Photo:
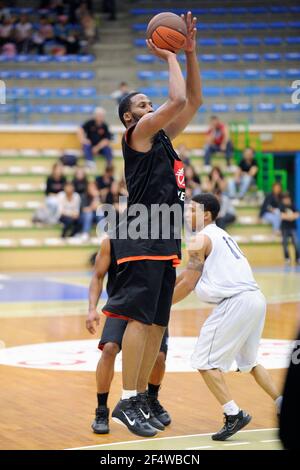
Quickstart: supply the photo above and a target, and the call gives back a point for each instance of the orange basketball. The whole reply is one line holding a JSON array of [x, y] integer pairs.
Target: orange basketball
[[167, 31]]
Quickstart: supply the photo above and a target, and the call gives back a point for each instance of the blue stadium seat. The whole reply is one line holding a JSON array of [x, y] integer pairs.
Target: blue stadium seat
[[266, 107], [7, 108], [205, 42], [272, 73], [243, 108], [219, 26], [20, 92], [23, 108], [45, 75], [66, 75], [259, 25], [232, 91], [230, 42], [273, 41], [293, 40], [279, 9], [272, 56], [252, 91], [251, 57], [86, 75], [5, 58], [42, 59], [209, 58], [239, 10], [231, 75], [64, 92], [257, 10], [86, 92], [210, 75], [288, 90], [145, 75], [238, 26], [85, 59], [145, 58], [277, 25], [151, 92], [218, 11], [24, 75], [203, 109], [230, 57], [294, 24], [203, 26], [42, 92], [140, 42], [272, 90], [22, 58], [212, 91], [290, 107], [251, 74], [6, 74], [139, 26], [66, 109], [220, 108], [85, 109], [292, 73], [295, 9], [64, 59], [251, 41], [292, 56]]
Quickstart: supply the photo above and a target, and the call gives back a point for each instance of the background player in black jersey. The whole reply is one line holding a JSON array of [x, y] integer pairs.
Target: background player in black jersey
[[154, 176], [110, 345]]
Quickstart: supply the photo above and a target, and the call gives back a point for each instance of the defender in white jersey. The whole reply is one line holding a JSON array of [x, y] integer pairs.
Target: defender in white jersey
[[220, 274]]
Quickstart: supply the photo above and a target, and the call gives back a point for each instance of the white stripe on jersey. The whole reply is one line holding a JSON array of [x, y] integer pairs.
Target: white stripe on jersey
[[226, 270]]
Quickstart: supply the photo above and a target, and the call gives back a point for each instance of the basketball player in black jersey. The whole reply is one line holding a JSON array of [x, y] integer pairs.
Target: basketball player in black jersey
[[142, 293], [110, 345]]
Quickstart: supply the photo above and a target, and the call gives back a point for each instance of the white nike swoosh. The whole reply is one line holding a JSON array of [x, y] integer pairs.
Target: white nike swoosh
[[132, 423], [146, 416]]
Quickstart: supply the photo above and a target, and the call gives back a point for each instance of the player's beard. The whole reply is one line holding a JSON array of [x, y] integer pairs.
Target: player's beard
[[136, 117]]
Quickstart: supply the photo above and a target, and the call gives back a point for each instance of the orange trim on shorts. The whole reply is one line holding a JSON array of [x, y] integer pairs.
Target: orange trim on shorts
[[154, 257], [116, 315]]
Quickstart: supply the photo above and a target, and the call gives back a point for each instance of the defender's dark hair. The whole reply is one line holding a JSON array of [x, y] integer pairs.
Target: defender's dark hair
[[210, 203], [124, 105]]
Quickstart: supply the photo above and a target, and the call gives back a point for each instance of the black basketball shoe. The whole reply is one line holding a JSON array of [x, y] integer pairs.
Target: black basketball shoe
[[232, 424], [158, 410], [129, 414], [100, 424], [148, 413]]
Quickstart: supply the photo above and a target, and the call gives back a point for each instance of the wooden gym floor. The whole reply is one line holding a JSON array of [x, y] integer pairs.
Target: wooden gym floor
[[47, 391]]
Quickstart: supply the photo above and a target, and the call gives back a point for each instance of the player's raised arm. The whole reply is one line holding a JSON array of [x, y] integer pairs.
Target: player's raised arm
[[193, 82], [102, 264], [152, 122]]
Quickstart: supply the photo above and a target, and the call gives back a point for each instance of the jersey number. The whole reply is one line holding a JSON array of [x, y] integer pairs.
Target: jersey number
[[233, 247]]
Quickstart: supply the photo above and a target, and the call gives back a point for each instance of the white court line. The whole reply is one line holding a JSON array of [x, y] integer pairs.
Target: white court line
[[163, 439], [271, 440], [236, 444]]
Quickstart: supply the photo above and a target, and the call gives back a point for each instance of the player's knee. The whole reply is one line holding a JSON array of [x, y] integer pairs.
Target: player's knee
[[161, 359], [110, 351]]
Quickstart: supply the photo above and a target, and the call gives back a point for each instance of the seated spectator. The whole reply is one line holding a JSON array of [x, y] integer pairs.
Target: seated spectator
[[69, 210], [95, 137], [54, 185], [88, 24], [289, 215], [121, 92], [184, 154], [105, 181], [89, 204], [4, 12], [226, 215], [44, 34], [245, 175], [23, 31], [217, 141], [216, 181], [6, 31], [192, 180], [80, 181], [270, 211]]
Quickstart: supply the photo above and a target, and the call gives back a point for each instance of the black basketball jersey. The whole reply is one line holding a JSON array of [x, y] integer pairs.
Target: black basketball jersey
[[153, 178]]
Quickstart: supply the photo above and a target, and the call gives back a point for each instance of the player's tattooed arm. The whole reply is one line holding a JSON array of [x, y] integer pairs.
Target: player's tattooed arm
[[196, 261]]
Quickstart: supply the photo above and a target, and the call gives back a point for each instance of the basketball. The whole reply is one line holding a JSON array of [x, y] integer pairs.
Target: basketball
[[167, 31]]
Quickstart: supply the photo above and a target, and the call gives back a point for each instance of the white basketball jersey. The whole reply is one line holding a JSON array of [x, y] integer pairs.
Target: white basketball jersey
[[226, 270]]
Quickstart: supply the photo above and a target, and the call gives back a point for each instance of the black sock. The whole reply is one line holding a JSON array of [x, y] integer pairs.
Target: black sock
[[102, 399], [153, 390]]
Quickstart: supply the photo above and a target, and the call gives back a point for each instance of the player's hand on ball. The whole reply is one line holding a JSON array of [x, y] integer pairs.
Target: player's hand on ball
[[190, 21], [93, 318], [161, 53]]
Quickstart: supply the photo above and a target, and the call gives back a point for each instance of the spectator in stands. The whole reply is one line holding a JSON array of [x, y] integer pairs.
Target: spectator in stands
[[80, 181], [245, 175], [95, 137], [88, 23], [54, 185], [105, 181], [6, 31], [43, 35], [23, 32], [121, 92], [4, 12], [217, 140], [89, 203], [69, 210], [192, 180], [289, 215], [270, 209], [216, 181], [184, 154], [227, 214]]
